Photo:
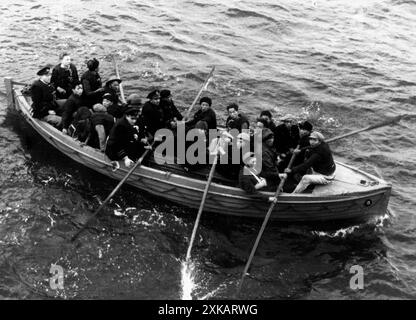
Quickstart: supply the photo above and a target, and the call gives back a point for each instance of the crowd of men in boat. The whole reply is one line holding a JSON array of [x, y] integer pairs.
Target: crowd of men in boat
[[93, 113]]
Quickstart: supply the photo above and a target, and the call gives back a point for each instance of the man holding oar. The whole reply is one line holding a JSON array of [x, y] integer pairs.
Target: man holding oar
[[127, 140], [319, 159]]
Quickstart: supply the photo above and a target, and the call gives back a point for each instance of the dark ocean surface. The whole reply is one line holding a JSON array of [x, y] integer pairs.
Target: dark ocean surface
[[354, 58]]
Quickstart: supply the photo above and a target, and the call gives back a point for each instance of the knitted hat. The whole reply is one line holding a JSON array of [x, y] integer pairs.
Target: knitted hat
[[165, 93], [207, 100], [305, 125]]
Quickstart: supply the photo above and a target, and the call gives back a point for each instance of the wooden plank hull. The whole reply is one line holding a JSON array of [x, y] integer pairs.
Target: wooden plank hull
[[323, 205]]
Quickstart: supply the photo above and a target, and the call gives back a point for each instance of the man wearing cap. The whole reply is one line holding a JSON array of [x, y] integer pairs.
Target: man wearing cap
[[171, 114], [319, 160], [286, 135], [64, 77], [115, 109], [126, 140], [44, 104], [249, 180], [205, 113], [152, 113], [91, 83], [112, 87]]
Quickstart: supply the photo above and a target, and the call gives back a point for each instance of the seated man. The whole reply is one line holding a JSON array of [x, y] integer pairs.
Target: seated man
[[206, 113], [80, 127], [126, 140], [267, 116], [269, 156], [287, 135], [44, 105], [249, 180], [152, 113], [286, 139], [319, 160], [101, 124], [305, 129], [111, 90], [72, 104], [236, 120], [171, 114]]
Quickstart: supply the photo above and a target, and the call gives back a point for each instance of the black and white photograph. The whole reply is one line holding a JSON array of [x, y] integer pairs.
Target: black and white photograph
[[220, 152]]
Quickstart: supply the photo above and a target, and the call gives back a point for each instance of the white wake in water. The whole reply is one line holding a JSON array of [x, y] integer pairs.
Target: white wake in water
[[187, 280]]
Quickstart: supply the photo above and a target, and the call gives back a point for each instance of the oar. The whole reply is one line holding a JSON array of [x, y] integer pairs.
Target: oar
[[200, 92], [201, 206], [123, 99], [263, 227], [136, 165], [374, 126]]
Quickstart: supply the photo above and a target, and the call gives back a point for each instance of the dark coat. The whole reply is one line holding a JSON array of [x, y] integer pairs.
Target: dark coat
[[303, 143], [64, 78], [124, 140], [91, 81], [72, 104], [269, 169], [285, 138], [237, 123], [116, 110], [153, 117], [43, 99], [247, 183], [208, 116], [100, 118], [115, 99], [169, 111], [319, 159]]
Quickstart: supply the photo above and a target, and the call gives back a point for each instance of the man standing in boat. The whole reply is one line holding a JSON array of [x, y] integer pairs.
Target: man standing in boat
[[127, 140], [44, 105], [319, 160]]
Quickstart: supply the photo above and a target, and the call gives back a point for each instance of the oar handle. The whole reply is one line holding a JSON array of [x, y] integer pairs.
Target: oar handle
[[123, 99], [263, 226], [374, 126], [200, 92], [137, 164]]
